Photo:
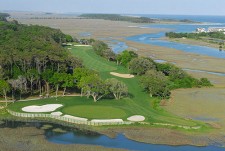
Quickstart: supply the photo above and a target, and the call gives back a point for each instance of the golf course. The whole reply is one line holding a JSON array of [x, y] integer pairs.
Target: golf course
[[137, 102]]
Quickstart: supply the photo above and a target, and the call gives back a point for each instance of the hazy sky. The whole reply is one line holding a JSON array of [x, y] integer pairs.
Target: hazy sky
[[189, 7]]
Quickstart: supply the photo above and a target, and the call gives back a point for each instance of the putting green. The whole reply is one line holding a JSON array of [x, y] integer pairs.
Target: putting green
[[95, 112]]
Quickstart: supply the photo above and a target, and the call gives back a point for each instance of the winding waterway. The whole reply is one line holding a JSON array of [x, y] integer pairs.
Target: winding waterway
[[155, 39]]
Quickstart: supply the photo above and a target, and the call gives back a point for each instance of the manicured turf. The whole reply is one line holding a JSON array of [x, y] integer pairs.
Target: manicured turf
[[138, 102], [91, 112], [92, 60]]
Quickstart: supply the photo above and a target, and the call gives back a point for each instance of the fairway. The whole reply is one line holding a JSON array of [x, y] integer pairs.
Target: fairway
[[91, 112], [92, 60]]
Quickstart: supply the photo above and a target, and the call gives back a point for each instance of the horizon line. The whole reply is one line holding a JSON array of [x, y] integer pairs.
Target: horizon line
[[55, 12]]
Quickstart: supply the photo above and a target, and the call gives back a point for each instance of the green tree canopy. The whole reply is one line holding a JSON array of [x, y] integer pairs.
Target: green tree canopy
[[155, 83], [117, 88], [4, 89], [94, 86], [125, 57], [139, 66]]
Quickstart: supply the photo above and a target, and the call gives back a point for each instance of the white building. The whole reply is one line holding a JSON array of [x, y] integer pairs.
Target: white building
[[200, 30], [216, 29]]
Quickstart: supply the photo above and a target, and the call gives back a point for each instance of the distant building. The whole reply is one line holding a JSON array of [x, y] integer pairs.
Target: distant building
[[216, 29], [211, 29], [200, 30]]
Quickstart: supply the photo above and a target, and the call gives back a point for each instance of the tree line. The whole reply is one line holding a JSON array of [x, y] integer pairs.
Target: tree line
[[216, 35], [3, 16], [117, 17]]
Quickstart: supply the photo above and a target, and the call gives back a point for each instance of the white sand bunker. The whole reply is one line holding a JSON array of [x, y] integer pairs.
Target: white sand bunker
[[43, 108], [82, 45], [122, 75], [107, 120], [57, 113], [75, 118], [136, 118]]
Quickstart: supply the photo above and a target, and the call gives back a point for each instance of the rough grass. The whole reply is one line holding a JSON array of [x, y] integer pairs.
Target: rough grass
[[91, 112]]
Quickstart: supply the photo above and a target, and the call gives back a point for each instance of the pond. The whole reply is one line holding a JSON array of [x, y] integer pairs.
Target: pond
[[75, 136]]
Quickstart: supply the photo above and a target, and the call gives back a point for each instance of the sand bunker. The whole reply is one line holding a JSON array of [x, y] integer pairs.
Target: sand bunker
[[136, 118], [122, 75], [57, 113], [82, 45], [43, 108], [75, 118], [106, 120]]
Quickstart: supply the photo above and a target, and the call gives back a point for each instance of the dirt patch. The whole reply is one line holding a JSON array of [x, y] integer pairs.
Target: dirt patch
[[127, 76]]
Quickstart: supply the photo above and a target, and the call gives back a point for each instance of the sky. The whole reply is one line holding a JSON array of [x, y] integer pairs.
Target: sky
[[177, 7]]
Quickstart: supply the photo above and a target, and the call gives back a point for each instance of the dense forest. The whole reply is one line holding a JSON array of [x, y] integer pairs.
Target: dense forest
[[30, 56]]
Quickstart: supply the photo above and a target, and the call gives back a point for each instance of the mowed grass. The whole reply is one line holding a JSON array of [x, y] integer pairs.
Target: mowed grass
[[92, 60], [91, 112], [137, 103], [83, 107]]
